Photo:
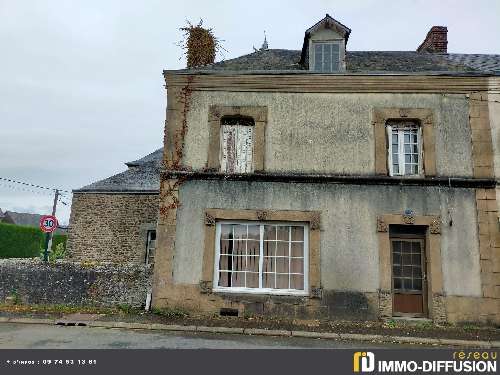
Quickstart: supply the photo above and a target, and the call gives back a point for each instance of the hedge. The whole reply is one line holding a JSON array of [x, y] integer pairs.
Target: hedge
[[24, 242]]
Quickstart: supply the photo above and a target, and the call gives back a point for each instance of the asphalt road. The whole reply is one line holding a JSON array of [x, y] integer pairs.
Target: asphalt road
[[40, 336]]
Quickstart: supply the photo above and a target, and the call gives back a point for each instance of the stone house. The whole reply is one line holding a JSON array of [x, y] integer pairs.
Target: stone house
[[317, 183]]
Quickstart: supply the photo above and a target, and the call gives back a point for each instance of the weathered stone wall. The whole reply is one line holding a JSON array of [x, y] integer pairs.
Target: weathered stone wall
[[111, 227], [36, 282]]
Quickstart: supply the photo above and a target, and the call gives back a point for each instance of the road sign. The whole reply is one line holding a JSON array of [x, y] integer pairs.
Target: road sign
[[48, 223]]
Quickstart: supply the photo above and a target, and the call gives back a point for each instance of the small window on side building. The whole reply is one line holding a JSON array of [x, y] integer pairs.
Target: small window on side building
[[237, 134], [150, 247], [405, 148], [326, 57]]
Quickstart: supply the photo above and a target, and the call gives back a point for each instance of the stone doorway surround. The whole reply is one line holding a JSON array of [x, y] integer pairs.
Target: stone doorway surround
[[435, 299]]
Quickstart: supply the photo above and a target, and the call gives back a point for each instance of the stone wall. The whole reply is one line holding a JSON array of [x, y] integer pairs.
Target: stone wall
[[111, 227], [36, 282]]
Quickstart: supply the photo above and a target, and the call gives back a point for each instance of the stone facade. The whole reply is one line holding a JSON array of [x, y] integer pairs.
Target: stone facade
[[111, 227], [327, 134], [67, 283]]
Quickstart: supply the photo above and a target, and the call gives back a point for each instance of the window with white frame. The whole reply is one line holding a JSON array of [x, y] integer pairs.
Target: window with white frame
[[237, 135], [150, 247], [326, 56], [405, 148], [261, 257]]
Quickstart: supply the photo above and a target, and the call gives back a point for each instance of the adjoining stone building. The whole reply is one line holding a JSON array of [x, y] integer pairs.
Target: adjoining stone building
[[319, 183], [114, 220]]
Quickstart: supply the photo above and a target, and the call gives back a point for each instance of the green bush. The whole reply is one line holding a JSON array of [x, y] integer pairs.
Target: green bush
[[25, 242]]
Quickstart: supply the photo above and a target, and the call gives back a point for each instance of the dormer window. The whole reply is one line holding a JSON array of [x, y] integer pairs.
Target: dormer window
[[324, 46], [326, 56]]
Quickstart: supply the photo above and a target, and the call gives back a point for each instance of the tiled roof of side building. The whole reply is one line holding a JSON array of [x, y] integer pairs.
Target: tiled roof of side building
[[142, 175], [376, 62]]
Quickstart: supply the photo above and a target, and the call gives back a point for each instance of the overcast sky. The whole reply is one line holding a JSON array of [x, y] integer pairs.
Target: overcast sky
[[81, 82]]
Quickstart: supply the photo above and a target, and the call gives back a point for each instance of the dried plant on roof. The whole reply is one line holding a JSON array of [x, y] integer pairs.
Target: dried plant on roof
[[199, 44]]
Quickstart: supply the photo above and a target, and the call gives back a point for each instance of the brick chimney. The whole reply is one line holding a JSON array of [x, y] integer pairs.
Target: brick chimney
[[436, 40]]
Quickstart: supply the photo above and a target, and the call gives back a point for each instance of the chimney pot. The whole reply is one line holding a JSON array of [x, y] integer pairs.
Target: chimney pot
[[436, 40]]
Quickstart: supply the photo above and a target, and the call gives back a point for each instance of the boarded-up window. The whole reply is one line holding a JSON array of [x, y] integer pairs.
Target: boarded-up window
[[237, 145]]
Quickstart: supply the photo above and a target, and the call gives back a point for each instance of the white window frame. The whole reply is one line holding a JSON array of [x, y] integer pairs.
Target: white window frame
[[260, 290], [322, 43], [401, 153]]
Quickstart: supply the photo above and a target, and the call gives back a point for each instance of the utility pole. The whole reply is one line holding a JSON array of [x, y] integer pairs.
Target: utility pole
[[48, 236]]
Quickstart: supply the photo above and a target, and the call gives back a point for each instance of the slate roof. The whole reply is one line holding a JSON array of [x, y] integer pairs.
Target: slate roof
[[373, 62], [142, 175]]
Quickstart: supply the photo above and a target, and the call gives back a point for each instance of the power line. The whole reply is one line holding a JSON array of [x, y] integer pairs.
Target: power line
[[33, 185]]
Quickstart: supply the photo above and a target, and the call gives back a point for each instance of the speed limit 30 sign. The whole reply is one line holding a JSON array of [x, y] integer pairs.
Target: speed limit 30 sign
[[48, 223]]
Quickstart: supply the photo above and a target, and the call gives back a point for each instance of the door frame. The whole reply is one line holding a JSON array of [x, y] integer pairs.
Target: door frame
[[423, 265], [434, 271]]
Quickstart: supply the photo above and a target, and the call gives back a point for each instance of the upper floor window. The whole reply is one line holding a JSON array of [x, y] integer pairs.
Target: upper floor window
[[237, 135], [405, 148], [261, 257], [326, 56]]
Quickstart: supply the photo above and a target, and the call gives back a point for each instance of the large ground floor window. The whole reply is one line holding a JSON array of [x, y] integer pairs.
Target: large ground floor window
[[261, 257]]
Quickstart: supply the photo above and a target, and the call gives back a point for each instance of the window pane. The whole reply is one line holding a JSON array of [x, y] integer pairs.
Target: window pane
[[225, 263], [254, 232], [335, 57], [252, 280], [282, 249], [297, 249], [417, 284], [297, 233], [268, 280], [226, 246], [406, 271], [224, 278], [318, 57], [407, 284], [396, 271], [283, 233], [282, 281], [253, 264], [297, 265], [269, 232], [238, 279], [268, 264], [397, 283], [269, 248], [396, 258], [297, 282], [415, 259], [327, 57], [406, 259], [226, 231], [253, 247], [282, 265]]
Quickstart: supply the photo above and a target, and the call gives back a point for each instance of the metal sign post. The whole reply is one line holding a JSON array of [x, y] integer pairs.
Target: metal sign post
[[48, 224]]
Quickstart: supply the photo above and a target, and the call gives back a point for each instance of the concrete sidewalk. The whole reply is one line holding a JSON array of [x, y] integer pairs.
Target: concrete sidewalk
[[261, 332]]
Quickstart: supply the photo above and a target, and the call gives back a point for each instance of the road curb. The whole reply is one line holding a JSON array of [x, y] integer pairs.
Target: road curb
[[268, 332]]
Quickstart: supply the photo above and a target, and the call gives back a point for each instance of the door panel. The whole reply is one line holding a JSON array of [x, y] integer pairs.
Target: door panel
[[408, 276]]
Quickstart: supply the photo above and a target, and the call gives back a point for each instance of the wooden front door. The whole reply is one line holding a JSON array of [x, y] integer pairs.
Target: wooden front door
[[408, 277]]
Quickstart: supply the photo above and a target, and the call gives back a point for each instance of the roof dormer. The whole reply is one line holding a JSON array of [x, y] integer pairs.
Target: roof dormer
[[324, 46]]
